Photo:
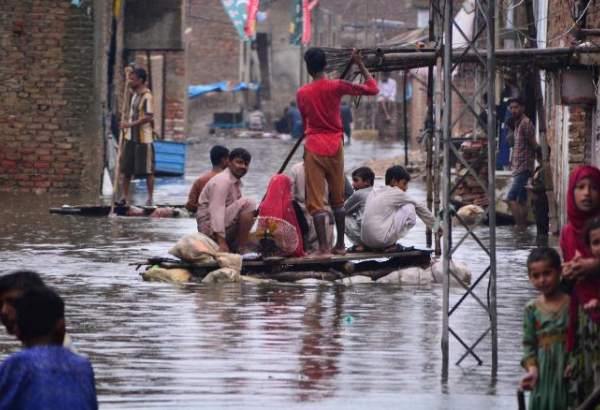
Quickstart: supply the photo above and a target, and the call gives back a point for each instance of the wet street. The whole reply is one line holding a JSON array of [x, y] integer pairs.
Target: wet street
[[159, 345]]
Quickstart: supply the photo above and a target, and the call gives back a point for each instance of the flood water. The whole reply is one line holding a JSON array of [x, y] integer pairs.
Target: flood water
[[159, 345]]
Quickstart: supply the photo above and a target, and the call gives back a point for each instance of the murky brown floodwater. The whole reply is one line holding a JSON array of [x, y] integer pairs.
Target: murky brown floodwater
[[155, 345]]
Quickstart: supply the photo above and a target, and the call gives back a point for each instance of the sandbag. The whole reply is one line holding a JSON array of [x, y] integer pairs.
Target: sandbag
[[471, 214], [195, 248], [407, 276], [229, 260], [312, 281], [156, 274], [355, 280], [460, 269], [222, 275]]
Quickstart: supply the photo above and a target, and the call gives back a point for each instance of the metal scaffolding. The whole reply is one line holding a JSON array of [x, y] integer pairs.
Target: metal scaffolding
[[483, 33]]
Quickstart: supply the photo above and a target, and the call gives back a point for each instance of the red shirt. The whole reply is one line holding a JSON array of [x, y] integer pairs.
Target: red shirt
[[319, 103]]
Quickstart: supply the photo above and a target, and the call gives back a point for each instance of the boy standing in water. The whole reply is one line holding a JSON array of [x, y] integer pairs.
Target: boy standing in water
[[319, 104]]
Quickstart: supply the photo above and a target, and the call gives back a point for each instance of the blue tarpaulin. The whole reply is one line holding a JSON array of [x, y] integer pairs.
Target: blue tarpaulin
[[195, 91]]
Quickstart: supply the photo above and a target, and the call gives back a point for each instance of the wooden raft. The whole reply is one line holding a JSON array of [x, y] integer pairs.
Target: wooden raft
[[372, 264], [102, 210]]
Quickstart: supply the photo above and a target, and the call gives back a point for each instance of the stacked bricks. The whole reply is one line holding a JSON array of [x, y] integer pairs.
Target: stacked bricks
[[580, 128], [46, 95], [468, 190]]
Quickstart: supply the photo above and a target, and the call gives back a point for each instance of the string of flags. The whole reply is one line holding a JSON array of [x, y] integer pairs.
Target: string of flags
[[244, 15]]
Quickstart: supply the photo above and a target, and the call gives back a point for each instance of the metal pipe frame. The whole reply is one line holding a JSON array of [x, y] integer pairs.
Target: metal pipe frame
[[485, 33]]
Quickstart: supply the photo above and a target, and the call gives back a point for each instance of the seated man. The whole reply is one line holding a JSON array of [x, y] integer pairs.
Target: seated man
[[45, 375], [219, 157], [363, 179], [223, 213], [390, 213]]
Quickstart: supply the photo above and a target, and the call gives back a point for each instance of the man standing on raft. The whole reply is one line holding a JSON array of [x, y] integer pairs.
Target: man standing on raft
[[319, 104]]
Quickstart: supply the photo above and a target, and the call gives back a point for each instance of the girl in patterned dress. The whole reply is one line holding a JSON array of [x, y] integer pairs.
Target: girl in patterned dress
[[584, 325], [545, 333]]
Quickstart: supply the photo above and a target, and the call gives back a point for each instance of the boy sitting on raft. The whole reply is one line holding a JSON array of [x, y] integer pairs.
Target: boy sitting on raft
[[363, 179], [390, 213]]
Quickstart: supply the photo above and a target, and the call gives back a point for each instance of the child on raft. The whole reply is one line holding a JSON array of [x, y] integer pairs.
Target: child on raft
[[363, 179], [390, 212], [545, 324]]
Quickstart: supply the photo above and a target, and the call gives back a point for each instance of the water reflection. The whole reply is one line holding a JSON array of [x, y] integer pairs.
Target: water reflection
[[254, 346]]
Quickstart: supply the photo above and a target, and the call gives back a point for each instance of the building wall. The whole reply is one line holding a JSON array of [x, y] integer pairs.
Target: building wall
[[49, 122], [570, 126], [213, 51]]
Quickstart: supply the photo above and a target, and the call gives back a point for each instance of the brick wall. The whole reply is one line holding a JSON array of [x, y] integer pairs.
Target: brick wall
[[213, 48], [48, 122]]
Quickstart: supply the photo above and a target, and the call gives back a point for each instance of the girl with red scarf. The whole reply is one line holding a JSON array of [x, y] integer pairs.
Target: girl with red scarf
[[278, 204], [583, 340], [583, 204]]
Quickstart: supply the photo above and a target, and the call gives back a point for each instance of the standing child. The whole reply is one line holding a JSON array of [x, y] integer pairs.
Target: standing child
[[319, 103], [584, 325], [545, 333], [363, 179]]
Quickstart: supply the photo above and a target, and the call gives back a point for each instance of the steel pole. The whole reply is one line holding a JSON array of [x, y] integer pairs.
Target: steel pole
[[491, 138], [446, 180]]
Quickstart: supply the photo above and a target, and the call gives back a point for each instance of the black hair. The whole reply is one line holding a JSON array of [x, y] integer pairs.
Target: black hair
[[544, 253], [396, 173], [240, 153], [293, 104], [316, 60], [590, 226], [141, 74], [517, 100], [364, 173], [20, 280], [217, 153], [38, 312]]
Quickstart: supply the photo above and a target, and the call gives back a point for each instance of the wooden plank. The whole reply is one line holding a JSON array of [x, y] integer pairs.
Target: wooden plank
[[100, 210], [335, 260]]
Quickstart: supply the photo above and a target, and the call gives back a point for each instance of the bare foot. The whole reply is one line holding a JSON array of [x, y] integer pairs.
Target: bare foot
[[319, 255], [339, 251]]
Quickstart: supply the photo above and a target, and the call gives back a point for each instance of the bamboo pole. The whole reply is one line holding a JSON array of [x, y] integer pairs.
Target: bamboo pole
[[546, 57]]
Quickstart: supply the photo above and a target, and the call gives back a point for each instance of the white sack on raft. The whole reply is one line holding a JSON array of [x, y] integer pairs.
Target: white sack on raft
[[195, 248], [355, 280], [222, 275], [408, 276], [460, 269], [156, 274]]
